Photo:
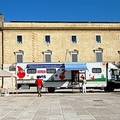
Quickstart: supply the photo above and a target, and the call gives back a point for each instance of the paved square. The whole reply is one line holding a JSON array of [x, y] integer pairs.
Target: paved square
[[61, 106]]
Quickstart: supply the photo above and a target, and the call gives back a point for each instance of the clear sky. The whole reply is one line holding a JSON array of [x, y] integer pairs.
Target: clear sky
[[61, 10]]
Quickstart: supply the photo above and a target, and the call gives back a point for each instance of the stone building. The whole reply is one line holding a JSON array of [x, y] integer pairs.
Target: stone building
[[58, 41]]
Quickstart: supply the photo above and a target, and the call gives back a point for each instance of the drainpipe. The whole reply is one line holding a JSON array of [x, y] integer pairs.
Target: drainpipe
[[2, 57], [2, 54], [119, 58]]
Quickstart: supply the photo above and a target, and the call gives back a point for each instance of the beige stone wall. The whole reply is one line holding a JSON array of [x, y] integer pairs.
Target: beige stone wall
[[33, 43]]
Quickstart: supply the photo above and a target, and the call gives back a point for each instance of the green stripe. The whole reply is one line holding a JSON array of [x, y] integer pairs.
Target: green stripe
[[97, 80], [90, 80]]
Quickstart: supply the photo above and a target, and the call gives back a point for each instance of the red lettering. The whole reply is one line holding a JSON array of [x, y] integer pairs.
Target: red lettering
[[41, 71]]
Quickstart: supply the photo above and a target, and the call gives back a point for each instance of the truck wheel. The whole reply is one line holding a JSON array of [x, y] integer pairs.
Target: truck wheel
[[51, 89], [106, 89], [18, 86], [109, 89]]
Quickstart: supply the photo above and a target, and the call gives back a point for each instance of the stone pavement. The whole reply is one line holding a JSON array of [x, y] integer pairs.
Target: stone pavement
[[61, 106]]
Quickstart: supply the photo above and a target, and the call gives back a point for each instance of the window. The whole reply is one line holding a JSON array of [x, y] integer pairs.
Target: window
[[12, 68], [31, 71], [96, 70], [98, 39], [74, 57], [99, 56], [47, 57], [19, 58], [47, 38], [19, 39], [74, 39], [51, 70]]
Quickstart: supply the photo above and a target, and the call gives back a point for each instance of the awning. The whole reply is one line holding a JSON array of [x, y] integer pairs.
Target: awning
[[4, 73], [75, 66]]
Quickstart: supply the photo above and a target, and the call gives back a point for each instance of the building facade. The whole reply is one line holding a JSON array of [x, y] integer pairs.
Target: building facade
[[34, 41]]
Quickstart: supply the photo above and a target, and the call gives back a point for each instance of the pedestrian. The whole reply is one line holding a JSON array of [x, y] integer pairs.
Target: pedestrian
[[84, 86], [39, 84], [75, 77]]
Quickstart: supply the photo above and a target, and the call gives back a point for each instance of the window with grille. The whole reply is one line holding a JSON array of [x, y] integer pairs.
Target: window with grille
[[96, 70], [31, 71], [51, 70]]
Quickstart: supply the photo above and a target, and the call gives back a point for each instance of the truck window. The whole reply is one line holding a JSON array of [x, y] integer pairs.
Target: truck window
[[114, 72], [31, 71], [51, 71], [96, 70]]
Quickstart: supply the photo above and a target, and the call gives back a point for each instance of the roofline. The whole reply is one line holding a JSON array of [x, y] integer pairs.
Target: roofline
[[66, 21]]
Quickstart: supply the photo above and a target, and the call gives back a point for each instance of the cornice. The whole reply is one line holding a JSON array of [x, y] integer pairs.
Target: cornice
[[60, 28]]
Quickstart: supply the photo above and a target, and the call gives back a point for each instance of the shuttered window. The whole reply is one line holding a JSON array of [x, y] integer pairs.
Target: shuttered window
[[99, 56], [48, 57], [74, 57], [19, 58]]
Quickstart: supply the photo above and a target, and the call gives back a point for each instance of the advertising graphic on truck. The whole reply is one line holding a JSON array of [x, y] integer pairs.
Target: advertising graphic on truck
[[98, 75]]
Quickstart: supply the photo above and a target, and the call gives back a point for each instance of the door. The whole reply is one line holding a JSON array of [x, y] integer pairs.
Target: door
[[75, 76]]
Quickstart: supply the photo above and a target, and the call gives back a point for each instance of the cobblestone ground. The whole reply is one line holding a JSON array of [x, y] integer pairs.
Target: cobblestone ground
[[61, 106]]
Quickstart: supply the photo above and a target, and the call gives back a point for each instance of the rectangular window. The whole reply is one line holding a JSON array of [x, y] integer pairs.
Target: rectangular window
[[96, 70], [19, 58], [98, 39], [51, 70], [12, 68], [47, 57], [74, 57], [99, 56], [31, 71], [47, 38], [19, 39], [74, 39]]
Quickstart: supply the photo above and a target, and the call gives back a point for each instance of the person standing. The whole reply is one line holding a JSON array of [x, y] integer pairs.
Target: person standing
[[39, 84], [84, 86], [75, 77]]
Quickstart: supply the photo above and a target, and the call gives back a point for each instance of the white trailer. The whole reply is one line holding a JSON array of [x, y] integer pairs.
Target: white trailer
[[54, 75]]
